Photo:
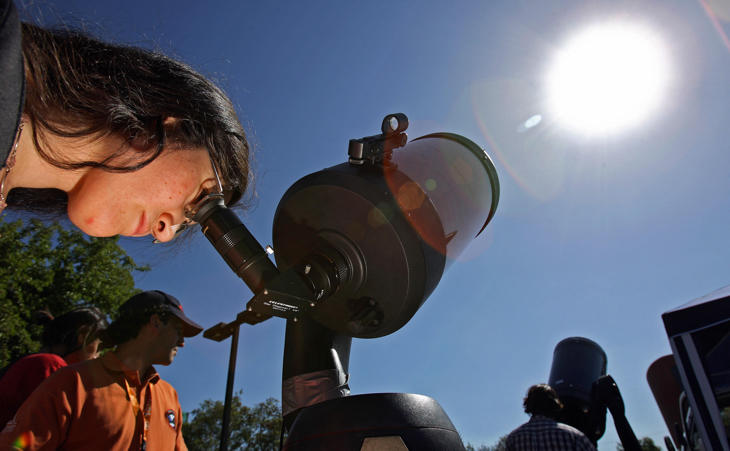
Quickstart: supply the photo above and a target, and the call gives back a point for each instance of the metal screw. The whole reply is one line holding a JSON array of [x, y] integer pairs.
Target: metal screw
[[295, 319], [266, 292]]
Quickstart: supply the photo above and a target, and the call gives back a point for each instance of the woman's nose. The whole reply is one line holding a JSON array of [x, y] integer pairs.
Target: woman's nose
[[163, 229]]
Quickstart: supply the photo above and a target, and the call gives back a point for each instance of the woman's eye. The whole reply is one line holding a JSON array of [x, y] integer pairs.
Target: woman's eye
[[204, 191], [201, 196]]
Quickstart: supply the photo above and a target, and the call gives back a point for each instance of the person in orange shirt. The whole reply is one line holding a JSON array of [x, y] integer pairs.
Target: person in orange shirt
[[117, 401], [67, 339]]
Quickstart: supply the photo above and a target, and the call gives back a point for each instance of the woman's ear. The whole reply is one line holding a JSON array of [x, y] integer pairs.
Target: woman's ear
[[82, 334]]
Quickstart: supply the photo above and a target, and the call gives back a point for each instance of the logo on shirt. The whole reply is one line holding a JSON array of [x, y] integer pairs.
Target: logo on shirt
[[170, 416], [10, 425]]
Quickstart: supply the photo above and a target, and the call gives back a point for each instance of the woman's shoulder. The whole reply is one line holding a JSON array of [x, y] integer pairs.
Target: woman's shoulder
[[30, 370], [41, 360]]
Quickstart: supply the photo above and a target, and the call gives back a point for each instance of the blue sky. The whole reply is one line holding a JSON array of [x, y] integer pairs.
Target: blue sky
[[594, 236]]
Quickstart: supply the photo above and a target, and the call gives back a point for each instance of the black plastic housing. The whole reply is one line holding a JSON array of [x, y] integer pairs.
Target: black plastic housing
[[577, 363], [349, 213], [345, 423]]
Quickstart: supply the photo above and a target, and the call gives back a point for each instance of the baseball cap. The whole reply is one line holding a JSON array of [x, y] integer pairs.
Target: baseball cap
[[160, 301]]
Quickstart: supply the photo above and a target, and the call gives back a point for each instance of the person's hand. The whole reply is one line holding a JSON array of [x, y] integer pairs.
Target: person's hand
[[607, 392]]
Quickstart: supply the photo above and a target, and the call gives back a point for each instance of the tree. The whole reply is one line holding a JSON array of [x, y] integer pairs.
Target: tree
[[44, 266], [254, 428], [646, 443], [499, 446]]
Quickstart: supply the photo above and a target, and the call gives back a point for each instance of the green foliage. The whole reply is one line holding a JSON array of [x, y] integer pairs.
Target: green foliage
[[501, 445], [44, 266], [254, 428], [646, 443], [470, 447]]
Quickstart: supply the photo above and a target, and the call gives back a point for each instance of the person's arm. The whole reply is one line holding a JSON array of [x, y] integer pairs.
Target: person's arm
[[43, 420], [21, 379], [609, 394], [38, 368]]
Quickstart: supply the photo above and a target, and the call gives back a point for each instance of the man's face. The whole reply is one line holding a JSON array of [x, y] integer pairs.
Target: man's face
[[170, 337]]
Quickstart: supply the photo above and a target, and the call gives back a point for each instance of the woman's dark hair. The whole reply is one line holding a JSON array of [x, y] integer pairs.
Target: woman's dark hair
[[541, 399], [78, 86], [63, 330]]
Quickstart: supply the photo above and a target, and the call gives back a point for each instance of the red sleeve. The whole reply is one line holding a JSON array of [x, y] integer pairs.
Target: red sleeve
[[43, 420], [22, 378], [36, 370]]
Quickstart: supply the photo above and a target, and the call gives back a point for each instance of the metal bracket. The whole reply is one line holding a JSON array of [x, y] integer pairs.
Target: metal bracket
[[378, 149]]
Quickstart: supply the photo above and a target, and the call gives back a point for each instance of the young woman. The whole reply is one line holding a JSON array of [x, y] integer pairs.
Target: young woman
[[120, 138], [67, 339]]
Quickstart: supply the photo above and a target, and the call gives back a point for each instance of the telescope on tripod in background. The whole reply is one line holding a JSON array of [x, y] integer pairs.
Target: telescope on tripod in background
[[578, 375], [577, 363], [359, 247]]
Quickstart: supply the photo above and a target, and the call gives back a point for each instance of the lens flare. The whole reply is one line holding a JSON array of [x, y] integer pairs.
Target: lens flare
[[533, 121], [720, 8], [718, 11], [446, 187], [533, 159], [23, 441]]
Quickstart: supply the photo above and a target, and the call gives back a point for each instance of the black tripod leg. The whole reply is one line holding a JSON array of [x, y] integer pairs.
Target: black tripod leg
[[225, 426]]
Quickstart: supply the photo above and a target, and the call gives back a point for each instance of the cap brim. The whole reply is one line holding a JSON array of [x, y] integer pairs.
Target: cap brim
[[190, 327]]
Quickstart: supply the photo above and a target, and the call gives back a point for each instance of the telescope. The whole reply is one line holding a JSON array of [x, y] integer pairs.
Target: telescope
[[358, 248], [577, 363], [578, 376]]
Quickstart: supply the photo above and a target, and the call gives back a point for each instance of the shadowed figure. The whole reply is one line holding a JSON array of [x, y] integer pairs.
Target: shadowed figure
[[543, 432]]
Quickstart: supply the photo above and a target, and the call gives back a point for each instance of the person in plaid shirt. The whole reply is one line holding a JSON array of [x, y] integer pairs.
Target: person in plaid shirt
[[542, 432]]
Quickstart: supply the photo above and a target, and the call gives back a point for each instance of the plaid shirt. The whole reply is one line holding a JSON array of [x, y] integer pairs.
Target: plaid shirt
[[545, 434]]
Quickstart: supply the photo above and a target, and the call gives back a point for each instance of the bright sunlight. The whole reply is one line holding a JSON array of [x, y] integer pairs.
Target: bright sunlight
[[608, 78]]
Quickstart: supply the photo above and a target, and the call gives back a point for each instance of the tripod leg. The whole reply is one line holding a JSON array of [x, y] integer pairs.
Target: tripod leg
[[225, 426]]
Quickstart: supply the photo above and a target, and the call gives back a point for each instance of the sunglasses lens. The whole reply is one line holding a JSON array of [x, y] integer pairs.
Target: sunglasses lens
[[213, 192]]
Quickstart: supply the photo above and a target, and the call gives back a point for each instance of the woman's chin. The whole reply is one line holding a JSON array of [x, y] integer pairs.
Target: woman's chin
[[92, 227]]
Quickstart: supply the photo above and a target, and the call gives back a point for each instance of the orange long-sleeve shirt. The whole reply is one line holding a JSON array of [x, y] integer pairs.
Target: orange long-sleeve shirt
[[87, 406]]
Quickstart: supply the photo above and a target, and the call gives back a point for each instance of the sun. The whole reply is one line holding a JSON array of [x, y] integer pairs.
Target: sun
[[608, 78]]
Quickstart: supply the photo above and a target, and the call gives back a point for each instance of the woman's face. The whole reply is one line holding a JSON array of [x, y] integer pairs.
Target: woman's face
[[150, 200], [90, 351]]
